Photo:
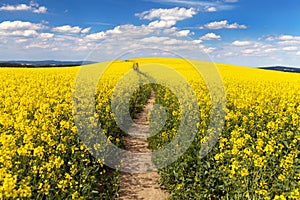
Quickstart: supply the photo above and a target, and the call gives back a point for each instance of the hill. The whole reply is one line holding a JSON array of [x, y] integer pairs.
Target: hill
[[44, 63], [283, 69]]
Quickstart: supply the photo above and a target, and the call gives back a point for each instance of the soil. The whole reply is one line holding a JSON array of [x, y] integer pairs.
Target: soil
[[140, 186]]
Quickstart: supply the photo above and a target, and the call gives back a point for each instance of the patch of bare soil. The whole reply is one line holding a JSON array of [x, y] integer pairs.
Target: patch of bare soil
[[140, 186]]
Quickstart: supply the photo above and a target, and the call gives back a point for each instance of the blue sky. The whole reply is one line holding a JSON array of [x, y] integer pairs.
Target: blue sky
[[242, 32]]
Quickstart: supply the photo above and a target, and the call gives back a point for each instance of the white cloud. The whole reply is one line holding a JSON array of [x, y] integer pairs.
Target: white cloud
[[289, 42], [209, 50], [262, 51], [289, 38], [227, 54], [22, 40], [128, 32], [96, 36], [38, 45], [166, 17], [249, 51], [168, 14], [241, 43], [20, 33], [19, 29], [158, 33], [145, 36], [46, 35], [116, 30], [249, 48], [198, 41], [19, 25], [67, 29], [162, 24], [70, 29], [270, 50], [24, 7], [182, 33], [173, 41], [268, 38], [210, 36], [290, 48], [211, 9], [86, 30], [154, 39], [285, 40], [41, 9], [200, 4], [222, 25], [186, 2], [20, 7]]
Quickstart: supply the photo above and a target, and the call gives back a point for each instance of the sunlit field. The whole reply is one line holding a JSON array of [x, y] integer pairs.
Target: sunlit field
[[257, 155]]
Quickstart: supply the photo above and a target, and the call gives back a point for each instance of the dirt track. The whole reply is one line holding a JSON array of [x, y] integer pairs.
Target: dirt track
[[140, 186]]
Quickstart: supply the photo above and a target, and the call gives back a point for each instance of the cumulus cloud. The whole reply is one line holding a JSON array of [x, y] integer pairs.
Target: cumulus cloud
[[209, 50], [70, 29], [200, 4], [166, 17], [19, 7], [17, 25], [25, 33], [241, 43], [46, 35], [270, 50], [222, 25], [154, 39], [67, 29], [96, 36], [19, 29], [249, 51], [145, 36], [249, 48], [86, 30], [162, 24], [210, 36], [211, 9], [168, 14], [32, 7], [182, 33], [266, 50], [290, 48], [116, 30], [285, 40], [159, 33], [39, 39], [289, 37]]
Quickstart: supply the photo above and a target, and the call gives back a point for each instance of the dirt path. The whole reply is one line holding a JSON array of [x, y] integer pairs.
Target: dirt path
[[140, 186]]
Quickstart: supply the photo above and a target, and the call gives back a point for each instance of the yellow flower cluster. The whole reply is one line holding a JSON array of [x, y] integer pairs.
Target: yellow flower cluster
[[261, 130], [41, 155], [257, 154]]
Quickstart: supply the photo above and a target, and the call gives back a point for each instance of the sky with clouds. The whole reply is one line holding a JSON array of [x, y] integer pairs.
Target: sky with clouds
[[242, 32]]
